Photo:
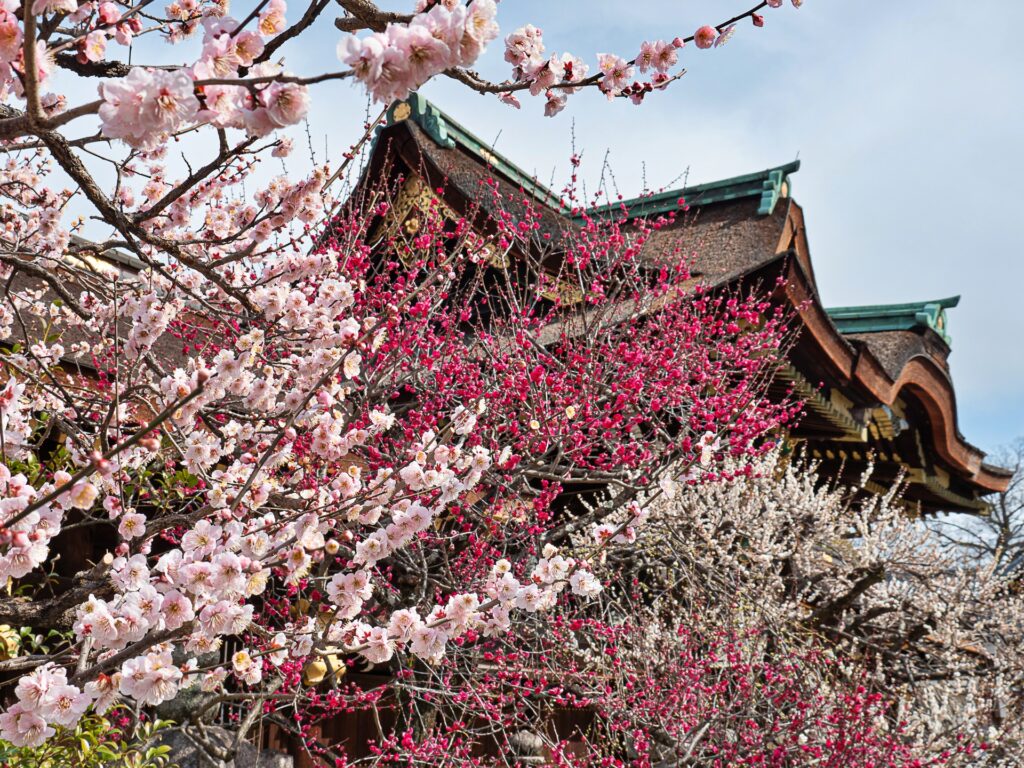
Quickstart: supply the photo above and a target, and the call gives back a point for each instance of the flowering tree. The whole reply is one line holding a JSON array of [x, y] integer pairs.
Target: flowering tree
[[248, 443], [796, 569], [254, 441], [232, 83], [353, 448]]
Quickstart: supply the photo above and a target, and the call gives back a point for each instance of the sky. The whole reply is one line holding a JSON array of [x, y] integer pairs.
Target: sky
[[906, 116]]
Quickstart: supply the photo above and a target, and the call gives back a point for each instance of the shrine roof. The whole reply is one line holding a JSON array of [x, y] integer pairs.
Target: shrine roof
[[767, 186], [895, 317], [448, 134], [729, 228], [737, 229], [894, 349]]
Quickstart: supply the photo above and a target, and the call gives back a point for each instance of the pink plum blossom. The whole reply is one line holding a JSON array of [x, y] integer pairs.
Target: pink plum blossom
[[146, 105], [24, 727], [705, 36], [617, 73], [272, 19]]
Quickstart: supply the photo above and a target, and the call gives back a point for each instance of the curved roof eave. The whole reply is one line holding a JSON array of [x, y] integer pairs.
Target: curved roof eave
[[921, 376]]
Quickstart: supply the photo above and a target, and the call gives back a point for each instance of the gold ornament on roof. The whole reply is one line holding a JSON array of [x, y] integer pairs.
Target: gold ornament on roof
[[401, 112]]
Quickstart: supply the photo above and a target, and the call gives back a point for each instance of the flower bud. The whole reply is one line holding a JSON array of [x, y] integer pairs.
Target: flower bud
[[705, 36]]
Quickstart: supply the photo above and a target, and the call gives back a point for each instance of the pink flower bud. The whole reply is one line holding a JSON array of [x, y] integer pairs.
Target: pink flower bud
[[109, 13], [705, 36]]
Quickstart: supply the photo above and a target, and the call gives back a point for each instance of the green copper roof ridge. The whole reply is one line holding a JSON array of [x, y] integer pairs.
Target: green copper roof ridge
[[874, 309], [873, 318], [448, 132], [766, 183]]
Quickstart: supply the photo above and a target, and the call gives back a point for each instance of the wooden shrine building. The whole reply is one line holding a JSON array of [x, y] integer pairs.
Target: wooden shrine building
[[875, 379]]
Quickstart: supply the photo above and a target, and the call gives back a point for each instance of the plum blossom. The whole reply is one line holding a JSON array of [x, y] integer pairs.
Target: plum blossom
[[10, 36], [27, 539], [379, 645], [584, 583], [659, 56], [283, 148], [428, 642], [246, 667], [705, 36], [617, 74], [272, 19], [33, 690], [64, 705], [103, 691], [310, 463], [54, 6], [108, 13], [150, 679], [132, 526], [524, 48], [24, 727], [82, 495], [726, 35], [555, 103], [708, 445], [545, 74], [94, 46], [510, 99], [146, 106], [45, 698], [285, 103], [398, 60]]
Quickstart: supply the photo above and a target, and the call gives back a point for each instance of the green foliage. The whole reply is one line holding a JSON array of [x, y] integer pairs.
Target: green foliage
[[31, 643], [95, 743]]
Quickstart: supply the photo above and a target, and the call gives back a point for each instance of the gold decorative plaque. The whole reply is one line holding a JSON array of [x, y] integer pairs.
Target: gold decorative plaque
[[401, 112]]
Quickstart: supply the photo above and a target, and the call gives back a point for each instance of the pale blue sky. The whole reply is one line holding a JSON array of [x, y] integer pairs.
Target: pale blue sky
[[907, 116]]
